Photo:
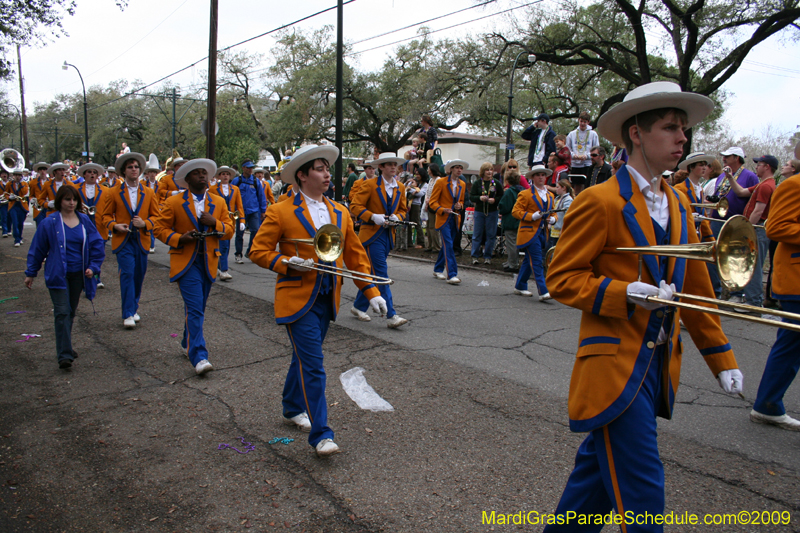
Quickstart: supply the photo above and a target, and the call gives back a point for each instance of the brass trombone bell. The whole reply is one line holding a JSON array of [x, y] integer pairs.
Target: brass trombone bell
[[548, 258], [234, 215], [721, 207], [328, 244]]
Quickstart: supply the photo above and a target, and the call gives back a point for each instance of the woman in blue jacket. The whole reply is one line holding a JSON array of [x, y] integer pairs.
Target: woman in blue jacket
[[69, 239]]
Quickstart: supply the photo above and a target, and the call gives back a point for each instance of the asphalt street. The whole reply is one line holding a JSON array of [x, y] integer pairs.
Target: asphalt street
[[130, 438]]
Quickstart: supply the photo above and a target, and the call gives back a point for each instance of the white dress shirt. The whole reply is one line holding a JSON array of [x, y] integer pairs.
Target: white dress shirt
[[133, 195], [389, 186], [199, 205], [542, 193], [224, 188], [58, 185], [89, 191], [658, 206], [318, 210]]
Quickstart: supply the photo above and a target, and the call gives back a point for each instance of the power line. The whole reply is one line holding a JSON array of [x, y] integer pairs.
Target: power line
[[223, 50], [423, 22], [425, 34]]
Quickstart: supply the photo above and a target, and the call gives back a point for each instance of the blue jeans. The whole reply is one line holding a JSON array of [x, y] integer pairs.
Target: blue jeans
[[65, 303], [754, 291], [252, 221], [782, 366], [484, 225]]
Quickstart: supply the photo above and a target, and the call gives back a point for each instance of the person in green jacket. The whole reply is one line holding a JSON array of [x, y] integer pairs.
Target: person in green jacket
[[510, 224], [350, 180]]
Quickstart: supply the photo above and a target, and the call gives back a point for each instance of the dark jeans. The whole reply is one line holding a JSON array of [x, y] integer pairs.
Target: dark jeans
[[252, 221], [65, 303]]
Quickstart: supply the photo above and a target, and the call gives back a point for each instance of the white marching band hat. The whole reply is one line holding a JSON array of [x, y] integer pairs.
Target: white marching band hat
[[192, 164], [305, 154]]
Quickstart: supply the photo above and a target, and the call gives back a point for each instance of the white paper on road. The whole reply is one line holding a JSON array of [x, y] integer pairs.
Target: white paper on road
[[355, 385]]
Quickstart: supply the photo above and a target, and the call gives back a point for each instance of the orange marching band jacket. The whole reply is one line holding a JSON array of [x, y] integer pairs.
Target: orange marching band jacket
[[117, 210], [370, 199]]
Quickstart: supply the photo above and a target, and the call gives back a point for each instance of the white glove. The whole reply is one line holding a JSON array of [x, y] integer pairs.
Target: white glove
[[378, 304], [551, 220], [731, 381], [394, 218], [51, 204], [537, 215], [637, 291], [173, 193], [379, 220], [301, 265], [241, 226]]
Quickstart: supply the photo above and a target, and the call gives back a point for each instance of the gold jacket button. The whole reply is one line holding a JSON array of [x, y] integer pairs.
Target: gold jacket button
[[651, 345]]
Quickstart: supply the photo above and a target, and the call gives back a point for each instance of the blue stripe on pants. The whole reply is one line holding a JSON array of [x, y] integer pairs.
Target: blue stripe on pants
[[618, 466], [132, 261], [224, 250], [377, 252], [533, 264], [447, 257], [17, 215], [195, 286], [782, 366], [304, 390]]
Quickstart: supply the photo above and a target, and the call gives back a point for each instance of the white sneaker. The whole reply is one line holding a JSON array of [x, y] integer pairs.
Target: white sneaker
[[129, 323], [361, 315], [302, 422], [439, 275], [327, 447], [454, 281], [100, 285], [224, 276], [784, 421], [136, 317], [238, 259], [475, 261], [544, 297], [522, 293], [395, 322], [202, 367], [153, 250], [16, 245]]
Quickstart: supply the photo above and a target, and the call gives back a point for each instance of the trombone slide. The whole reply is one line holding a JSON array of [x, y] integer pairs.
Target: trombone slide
[[345, 273]]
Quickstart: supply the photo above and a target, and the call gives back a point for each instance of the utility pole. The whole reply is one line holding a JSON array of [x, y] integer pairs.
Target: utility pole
[[174, 123], [211, 113], [23, 118], [337, 168], [56, 160]]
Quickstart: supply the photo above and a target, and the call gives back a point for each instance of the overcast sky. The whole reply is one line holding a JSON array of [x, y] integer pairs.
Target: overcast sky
[[153, 38]]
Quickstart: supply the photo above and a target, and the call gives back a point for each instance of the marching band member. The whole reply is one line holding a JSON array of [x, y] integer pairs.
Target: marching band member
[[93, 195], [377, 202], [193, 259], [5, 223], [149, 180], [369, 173], [35, 187], [629, 354], [17, 193], [112, 179], [130, 213], [783, 226], [695, 164], [76, 252], [233, 201], [306, 300], [47, 197], [167, 186], [531, 205], [446, 200], [288, 194]]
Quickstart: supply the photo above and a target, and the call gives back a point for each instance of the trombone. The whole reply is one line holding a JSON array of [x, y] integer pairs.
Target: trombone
[[88, 210], [327, 243], [734, 253], [234, 215], [721, 206]]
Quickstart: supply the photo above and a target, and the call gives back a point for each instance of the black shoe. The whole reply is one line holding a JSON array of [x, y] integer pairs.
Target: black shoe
[[65, 363], [509, 269]]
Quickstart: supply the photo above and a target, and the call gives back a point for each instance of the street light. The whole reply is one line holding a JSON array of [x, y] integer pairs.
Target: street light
[[531, 60], [20, 124], [66, 66]]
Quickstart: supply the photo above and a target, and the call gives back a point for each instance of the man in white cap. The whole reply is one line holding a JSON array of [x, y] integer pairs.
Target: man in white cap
[[58, 179], [307, 300], [628, 361], [193, 261], [446, 200], [378, 202], [130, 213], [35, 187]]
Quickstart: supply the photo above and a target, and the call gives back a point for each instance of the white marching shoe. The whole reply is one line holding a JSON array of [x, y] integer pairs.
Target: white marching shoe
[[202, 367], [544, 297], [439, 275], [129, 323], [327, 447], [454, 281], [395, 322], [136, 317], [302, 422], [522, 293], [361, 315]]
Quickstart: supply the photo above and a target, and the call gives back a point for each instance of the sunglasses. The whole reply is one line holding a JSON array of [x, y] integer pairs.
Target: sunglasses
[[512, 166]]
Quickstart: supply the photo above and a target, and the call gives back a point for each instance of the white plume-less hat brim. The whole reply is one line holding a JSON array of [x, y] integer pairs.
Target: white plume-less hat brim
[[538, 169], [91, 166], [119, 164], [180, 176], [696, 158], [55, 166], [43, 165], [303, 156], [388, 157], [453, 162], [222, 169], [656, 95]]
